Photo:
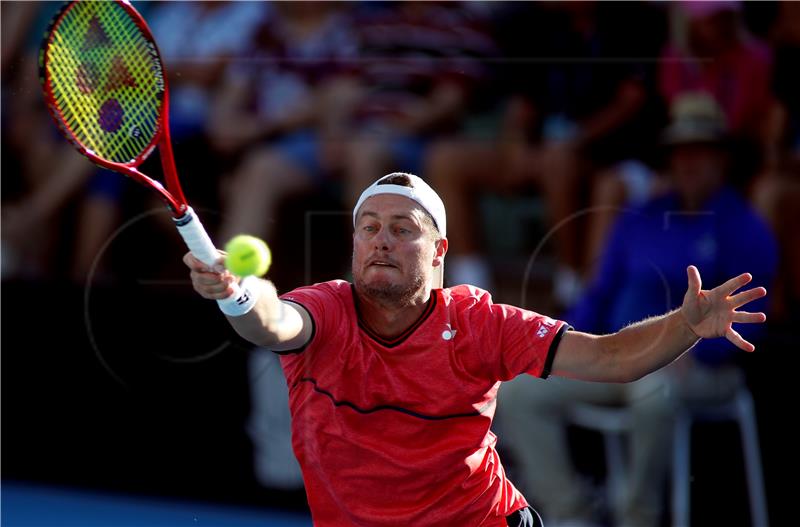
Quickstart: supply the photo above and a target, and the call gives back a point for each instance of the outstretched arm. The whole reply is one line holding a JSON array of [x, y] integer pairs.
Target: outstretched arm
[[271, 323], [641, 348]]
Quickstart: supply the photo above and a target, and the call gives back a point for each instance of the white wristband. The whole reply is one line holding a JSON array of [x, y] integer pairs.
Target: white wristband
[[249, 291]]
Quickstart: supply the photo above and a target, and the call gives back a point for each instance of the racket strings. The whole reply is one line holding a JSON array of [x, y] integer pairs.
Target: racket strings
[[105, 80]]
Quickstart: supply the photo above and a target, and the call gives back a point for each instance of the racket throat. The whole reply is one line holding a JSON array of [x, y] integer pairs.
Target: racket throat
[[168, 163]]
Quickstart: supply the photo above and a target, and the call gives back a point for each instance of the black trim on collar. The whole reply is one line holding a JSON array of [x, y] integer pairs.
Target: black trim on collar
[[396, 341]]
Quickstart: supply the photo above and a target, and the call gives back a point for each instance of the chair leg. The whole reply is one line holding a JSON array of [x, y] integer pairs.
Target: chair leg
[[616, 469], [681, 471], [752, 457]]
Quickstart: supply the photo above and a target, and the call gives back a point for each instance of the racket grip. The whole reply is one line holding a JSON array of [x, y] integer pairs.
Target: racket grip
[[199, 243]]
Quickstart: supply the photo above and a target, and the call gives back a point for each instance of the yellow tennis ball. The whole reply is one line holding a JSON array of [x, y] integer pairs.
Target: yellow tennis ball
[[247, 255]]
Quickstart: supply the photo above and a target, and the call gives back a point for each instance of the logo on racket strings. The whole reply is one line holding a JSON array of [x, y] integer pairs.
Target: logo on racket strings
[[89, 77]]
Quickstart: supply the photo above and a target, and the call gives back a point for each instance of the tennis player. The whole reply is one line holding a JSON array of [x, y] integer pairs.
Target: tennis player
[[393, 382]]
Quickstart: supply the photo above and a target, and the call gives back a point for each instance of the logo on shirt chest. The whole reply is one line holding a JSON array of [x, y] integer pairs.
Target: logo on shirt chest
[[449, 333]]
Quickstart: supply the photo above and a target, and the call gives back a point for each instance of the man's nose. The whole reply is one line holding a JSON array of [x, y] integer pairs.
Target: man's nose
[[382, 240]]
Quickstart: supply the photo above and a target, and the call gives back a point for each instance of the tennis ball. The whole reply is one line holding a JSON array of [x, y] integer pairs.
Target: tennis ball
[[247, 255]]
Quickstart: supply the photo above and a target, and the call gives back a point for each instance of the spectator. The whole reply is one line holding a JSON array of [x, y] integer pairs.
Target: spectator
[[710, 51], [640, 274], [576, 102], [709, 46], [777, 193], [417, 71], [272, 117], [52, 192], [198, 42], [195, 39], [273, 111]]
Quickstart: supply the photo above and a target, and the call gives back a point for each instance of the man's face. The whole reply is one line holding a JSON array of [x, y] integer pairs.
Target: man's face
[[393, 249], [697, 169]]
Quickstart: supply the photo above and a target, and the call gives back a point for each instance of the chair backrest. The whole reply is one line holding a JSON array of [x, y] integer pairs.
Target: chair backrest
[[732, 409]]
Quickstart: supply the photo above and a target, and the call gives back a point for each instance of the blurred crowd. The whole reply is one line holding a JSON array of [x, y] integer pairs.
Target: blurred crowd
[[648, 135], [563, 101]]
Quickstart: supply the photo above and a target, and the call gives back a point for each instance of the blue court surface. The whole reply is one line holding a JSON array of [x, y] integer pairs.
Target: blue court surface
[[27, 505]]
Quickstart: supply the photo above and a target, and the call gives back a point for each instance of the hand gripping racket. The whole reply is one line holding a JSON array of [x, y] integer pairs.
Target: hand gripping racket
[[106, 87]]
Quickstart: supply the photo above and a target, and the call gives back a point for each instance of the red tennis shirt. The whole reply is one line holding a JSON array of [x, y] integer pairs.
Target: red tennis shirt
[[396, 432]]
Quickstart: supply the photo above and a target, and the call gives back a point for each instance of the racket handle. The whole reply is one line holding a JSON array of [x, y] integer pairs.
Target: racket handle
[[243, 298]]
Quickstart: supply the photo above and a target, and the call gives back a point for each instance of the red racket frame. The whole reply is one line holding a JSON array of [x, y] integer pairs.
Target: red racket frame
[[172, 195], [241, 299]]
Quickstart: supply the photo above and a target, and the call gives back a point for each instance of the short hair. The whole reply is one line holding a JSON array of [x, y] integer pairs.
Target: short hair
[[396, 178]]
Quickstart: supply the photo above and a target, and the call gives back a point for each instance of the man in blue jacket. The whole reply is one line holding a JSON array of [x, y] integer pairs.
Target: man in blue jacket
[[641, 274]]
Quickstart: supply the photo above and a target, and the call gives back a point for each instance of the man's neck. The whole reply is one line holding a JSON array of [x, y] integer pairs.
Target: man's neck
[[388, 319]]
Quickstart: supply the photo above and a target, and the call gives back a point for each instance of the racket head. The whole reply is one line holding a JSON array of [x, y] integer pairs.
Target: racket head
[[105, 86], [103, 81]]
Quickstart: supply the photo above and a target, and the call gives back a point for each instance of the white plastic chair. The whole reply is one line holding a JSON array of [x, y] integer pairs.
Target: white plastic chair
[[740, 409], [614, 422]]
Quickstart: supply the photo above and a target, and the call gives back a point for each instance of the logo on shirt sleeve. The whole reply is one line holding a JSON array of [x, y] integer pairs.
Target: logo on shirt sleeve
[[545, 325]]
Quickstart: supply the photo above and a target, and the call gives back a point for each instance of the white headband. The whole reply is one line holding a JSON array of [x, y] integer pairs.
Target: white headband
[[420, 192]]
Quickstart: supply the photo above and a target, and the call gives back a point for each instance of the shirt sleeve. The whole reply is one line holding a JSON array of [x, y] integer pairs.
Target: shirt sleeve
[[518, 341], [323, 306]]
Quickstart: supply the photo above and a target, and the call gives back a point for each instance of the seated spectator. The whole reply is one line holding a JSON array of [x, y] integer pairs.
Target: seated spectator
[[642, 273], [710, 52], [272, 112], [275, 112], [777, 192], [53, 197], [195, 40], [417, 69], [572, 107], [198, 42]]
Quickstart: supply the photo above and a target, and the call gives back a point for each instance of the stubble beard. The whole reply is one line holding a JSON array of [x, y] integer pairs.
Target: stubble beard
[[390, 294]]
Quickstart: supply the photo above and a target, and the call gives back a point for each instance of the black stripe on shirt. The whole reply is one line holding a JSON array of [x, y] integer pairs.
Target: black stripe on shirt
[[400, 409]]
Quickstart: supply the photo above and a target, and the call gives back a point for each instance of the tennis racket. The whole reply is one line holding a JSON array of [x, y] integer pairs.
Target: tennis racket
[[106, 87]]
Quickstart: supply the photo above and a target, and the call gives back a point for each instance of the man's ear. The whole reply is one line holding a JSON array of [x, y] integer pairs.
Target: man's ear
[[441, 250]]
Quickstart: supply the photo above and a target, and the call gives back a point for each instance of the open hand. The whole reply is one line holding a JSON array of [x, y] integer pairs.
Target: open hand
[[712, 313]]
